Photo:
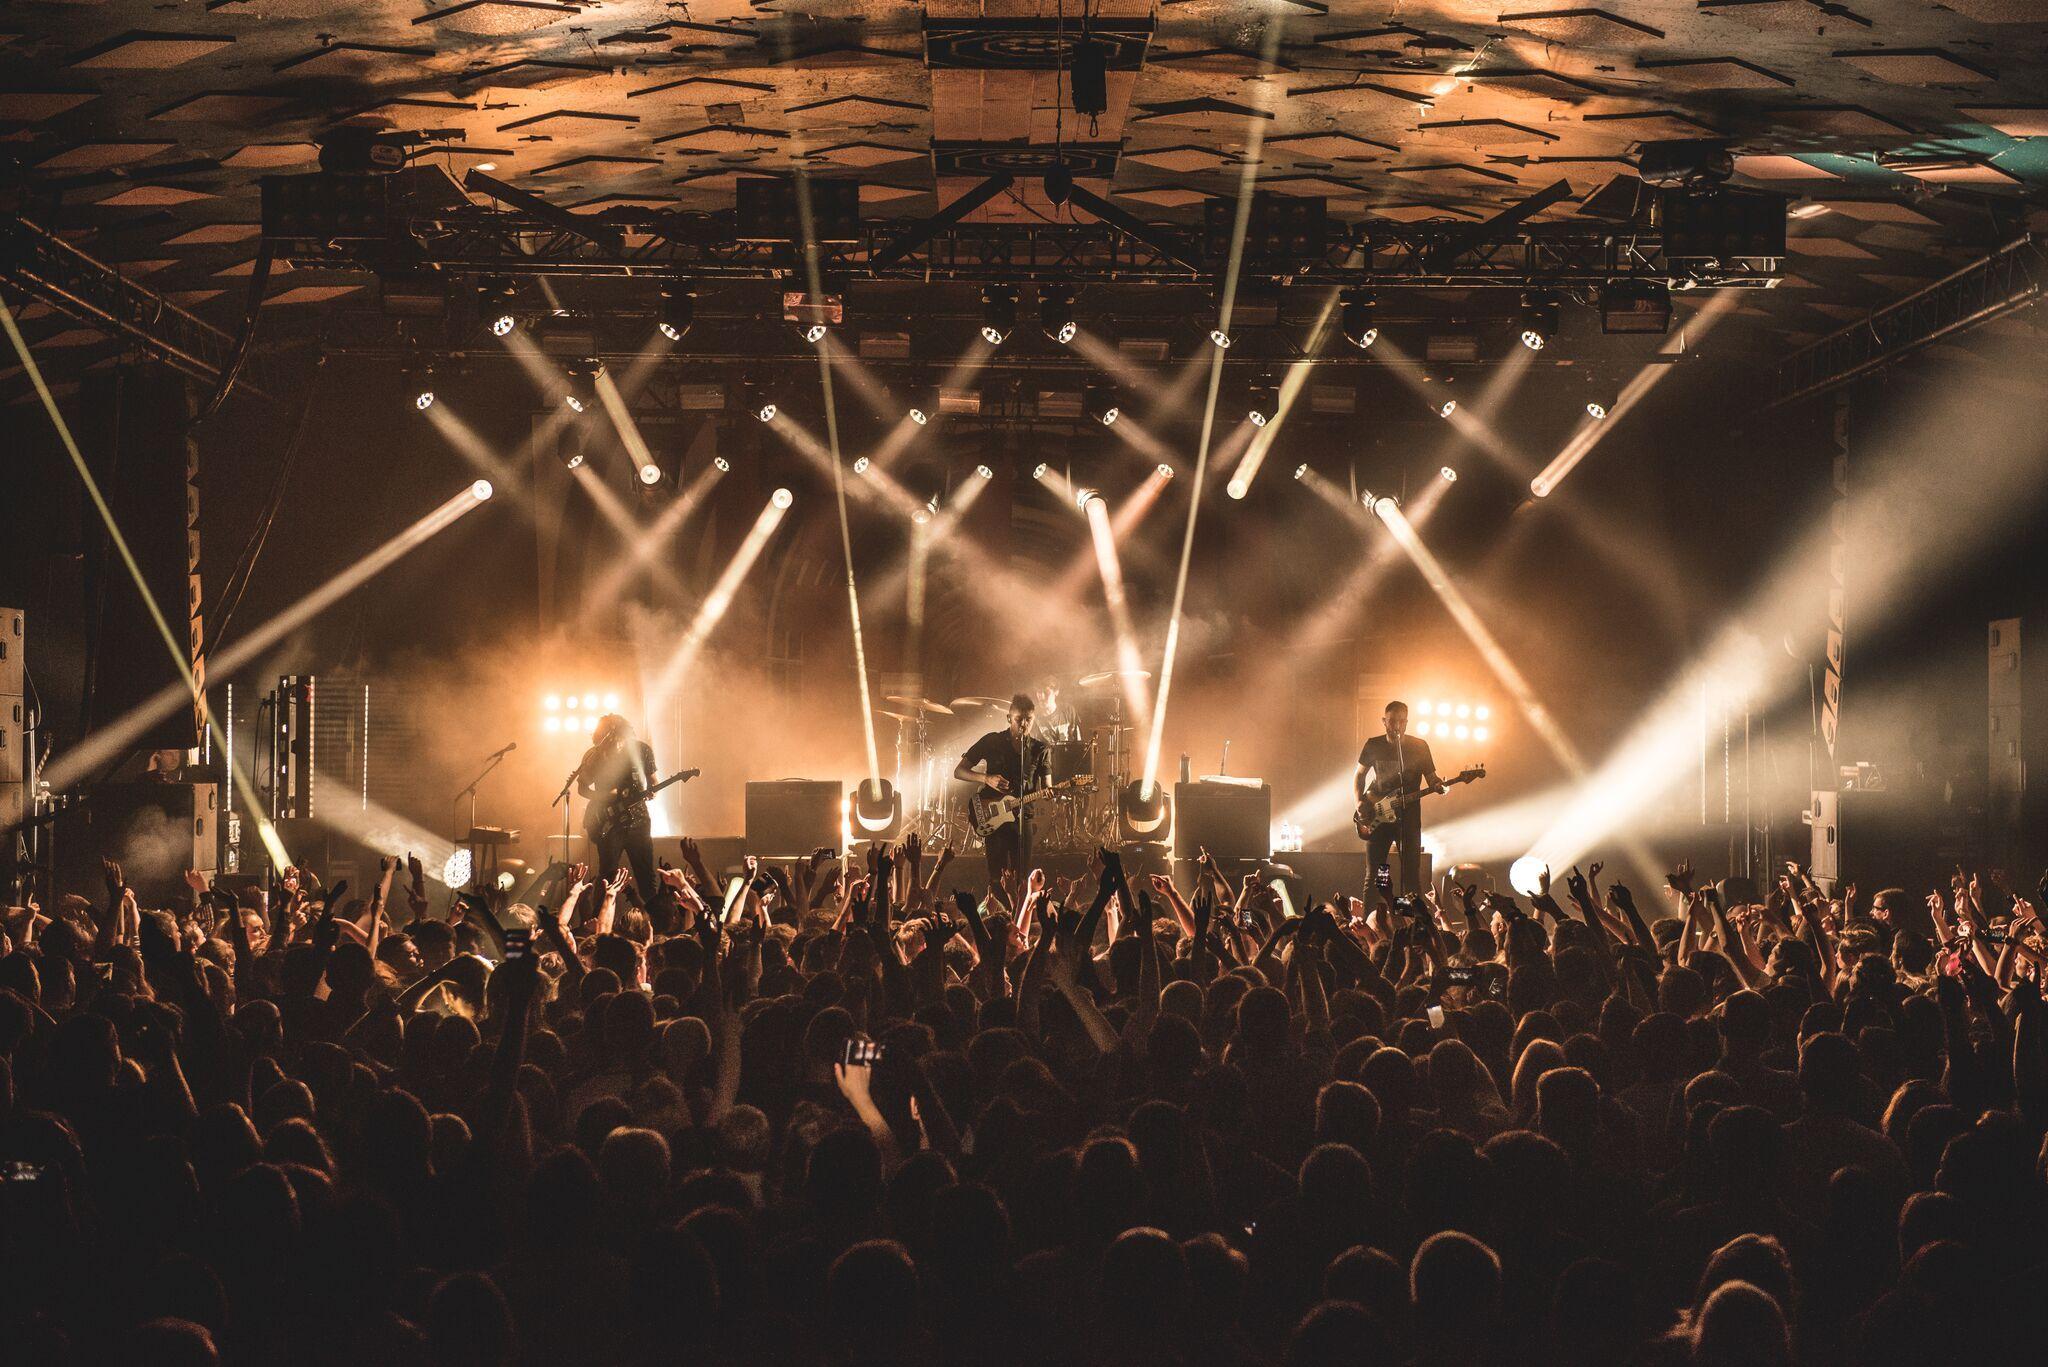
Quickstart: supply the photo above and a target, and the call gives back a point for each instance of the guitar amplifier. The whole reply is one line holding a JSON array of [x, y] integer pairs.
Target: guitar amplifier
[[1230, 820], [791, 817]]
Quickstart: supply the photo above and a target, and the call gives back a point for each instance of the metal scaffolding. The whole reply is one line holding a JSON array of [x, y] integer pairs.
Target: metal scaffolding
[[2008, 279], [47, 268]]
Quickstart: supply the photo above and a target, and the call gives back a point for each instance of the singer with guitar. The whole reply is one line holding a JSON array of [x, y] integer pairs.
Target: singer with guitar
[[617, 775], [1390, 763], [1014, 764]]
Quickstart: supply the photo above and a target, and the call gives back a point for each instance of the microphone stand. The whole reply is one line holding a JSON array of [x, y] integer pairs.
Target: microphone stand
[[470, 792], [562, 801]]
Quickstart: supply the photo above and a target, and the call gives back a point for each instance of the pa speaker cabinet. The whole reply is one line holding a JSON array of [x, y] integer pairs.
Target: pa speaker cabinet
[[12, 622], [156, 831], [1229, 820], [793, 816]]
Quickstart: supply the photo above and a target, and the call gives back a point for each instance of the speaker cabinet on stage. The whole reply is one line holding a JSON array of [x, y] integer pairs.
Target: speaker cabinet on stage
[[791, 817], [1229, 820], [156, 831]]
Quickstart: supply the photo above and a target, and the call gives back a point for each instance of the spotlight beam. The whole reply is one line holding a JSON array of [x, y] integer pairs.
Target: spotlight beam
[[718, 601], [107, 741], [657, 535], [1127, 657], [191, 693], [1591, 430], [1248, 178], [1490, 649], [1290, 388], [814, 278]]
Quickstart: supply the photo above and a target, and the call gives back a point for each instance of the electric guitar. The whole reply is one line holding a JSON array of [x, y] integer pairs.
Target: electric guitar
[[623, 806], [1384, 809], [988, 811]]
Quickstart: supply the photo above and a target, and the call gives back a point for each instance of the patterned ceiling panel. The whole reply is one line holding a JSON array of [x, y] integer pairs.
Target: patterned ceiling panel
[[1920, 129]]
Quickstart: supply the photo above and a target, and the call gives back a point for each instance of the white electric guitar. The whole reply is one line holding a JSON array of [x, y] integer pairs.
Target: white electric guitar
[[988, 811]]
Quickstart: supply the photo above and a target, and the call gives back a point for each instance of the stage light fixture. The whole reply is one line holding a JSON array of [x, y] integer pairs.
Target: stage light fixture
[[1237, 488], [1449, 407], [984, 472], [574, 452], [1525, 875], [722, 465], [1084, 496], [1480, 733], [919, 416], [1144, 813], [1596, 411], [590, 702], [1301, 470], [1482, 712], [677, 312], [921, 515], [580, 389], [650, 473], [860, 465], [1262, 405], [1219, 339], [611, 702], [1422, 729], [495, 300], [877, 809], [420, 382], [1165, 470], [1040, 471], [1356, 319], [1366, 496], [455, 870], [812, 332], [1056, 315], [481, 490], [1424, 708], [1099, 401], [552, 725], [552, 702], [782, 498], [998, 314], [571, 702], [1450, 475], [1539, 321]]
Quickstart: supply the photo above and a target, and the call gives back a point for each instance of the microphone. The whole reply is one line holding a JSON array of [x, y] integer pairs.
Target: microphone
[[508, 749]]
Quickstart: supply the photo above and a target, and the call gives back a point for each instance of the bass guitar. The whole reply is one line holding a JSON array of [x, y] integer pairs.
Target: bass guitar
[[623, 806], [1379, 809], [988, 811]]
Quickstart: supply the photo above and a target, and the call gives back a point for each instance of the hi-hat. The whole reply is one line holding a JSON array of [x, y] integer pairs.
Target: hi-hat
[[1112, 675], [960, 704], [919, 704], [899, 716]]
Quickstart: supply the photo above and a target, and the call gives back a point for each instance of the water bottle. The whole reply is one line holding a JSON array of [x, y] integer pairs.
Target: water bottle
[[1187, 772]]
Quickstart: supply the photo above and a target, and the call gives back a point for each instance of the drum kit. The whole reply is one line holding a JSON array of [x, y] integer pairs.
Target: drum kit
[[1090, 744]]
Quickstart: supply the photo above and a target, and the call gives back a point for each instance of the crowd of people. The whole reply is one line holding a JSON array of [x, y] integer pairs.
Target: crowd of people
[[836, 1113]]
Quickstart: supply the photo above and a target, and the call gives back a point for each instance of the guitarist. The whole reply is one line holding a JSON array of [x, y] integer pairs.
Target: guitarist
[[1397, 762], [1012, 761], [614, 775]]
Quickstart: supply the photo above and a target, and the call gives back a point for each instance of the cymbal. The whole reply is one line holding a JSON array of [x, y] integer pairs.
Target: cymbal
[[899, 716], [1112, 675], [919, 704], [962, 703]]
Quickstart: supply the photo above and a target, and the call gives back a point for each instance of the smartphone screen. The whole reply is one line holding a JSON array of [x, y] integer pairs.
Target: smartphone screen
[[518, 943], [1383, 878], [1436, 1018], [860, 1053]]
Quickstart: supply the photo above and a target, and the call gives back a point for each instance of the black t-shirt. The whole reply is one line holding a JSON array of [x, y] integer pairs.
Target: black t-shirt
[[1405, 759], [997, 753], [629, 766]]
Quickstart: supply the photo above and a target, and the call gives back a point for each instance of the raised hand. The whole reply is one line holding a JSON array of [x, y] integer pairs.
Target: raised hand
[[1680, 878]]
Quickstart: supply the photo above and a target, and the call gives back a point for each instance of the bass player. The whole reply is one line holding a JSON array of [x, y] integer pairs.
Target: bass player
[[615, 774], [1396, 762]]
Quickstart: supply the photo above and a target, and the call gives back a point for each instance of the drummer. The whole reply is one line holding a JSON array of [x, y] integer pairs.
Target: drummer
[[1057, 719]]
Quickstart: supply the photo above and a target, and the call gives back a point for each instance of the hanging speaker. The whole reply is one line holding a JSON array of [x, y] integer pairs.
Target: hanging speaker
[[1089, 73]]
